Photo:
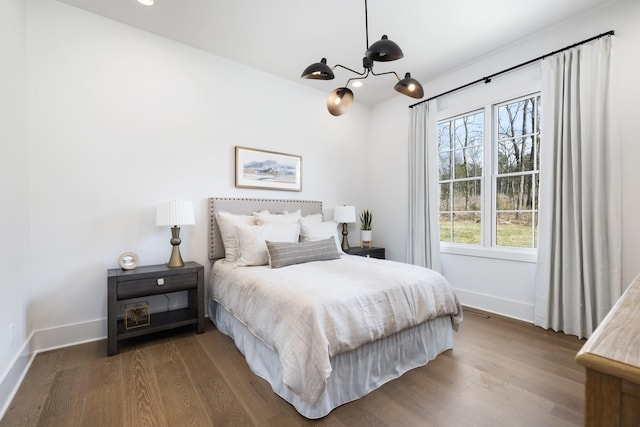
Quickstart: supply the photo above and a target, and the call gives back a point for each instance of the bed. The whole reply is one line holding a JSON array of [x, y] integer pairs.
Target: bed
[[322, 327]]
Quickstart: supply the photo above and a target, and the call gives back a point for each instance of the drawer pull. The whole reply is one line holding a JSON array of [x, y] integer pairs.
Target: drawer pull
[[160, 281]]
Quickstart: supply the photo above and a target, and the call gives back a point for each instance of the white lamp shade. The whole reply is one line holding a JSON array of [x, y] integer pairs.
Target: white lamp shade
[[344, 214], [175, 212]]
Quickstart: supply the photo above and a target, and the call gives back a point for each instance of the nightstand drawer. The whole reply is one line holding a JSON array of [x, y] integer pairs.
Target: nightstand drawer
[[156, 285]]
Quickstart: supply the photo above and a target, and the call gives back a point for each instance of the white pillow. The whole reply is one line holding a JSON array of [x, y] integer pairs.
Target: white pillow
[[310, 231], [266, 217], [311, 219], [227, 225], [251, 240]]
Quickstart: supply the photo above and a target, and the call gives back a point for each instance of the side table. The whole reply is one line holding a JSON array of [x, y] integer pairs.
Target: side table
[[150, 280]]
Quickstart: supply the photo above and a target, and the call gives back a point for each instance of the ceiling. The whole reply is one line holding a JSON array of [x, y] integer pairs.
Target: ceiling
[[283, 37]]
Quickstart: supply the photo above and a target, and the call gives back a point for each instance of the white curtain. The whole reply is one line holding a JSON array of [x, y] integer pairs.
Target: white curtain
[[579, 255], [423, 240]]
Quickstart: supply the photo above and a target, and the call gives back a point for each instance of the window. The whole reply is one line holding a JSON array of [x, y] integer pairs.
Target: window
[[517, 173], [460, 146], [500, 208]]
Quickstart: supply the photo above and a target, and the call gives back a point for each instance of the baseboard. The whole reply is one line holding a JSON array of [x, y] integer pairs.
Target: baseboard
[[12, 378], [45, 340], [68, 335], [505, 307]]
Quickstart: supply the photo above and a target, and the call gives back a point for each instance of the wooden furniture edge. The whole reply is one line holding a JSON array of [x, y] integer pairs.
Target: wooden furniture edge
[[608, 366]]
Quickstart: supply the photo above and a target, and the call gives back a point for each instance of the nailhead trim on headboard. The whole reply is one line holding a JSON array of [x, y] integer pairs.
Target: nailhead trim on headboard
[[247, 207]]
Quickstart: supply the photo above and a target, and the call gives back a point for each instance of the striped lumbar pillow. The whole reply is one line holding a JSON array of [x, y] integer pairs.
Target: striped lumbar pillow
[[282, 254]]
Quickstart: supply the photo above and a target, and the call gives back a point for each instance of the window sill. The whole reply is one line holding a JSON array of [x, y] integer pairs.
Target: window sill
[[508, 254]]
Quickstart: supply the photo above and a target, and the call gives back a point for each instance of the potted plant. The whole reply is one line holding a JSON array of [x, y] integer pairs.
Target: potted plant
[[366, 234]]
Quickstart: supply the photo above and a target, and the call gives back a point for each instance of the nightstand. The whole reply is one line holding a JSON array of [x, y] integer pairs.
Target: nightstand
[[150, 280], [367, 252]]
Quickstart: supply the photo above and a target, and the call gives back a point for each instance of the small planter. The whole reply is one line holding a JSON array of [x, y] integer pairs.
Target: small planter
[[366, 236]]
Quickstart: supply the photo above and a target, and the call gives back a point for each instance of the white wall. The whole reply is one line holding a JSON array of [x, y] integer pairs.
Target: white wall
[[99, 122], [14, 201], [121, 119], [508, 286]]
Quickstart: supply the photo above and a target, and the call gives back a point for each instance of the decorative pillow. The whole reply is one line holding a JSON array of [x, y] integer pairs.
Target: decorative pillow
[[227, 225], [266, 217], [282, 254], [251, 240], [311, 219], [312, 231]]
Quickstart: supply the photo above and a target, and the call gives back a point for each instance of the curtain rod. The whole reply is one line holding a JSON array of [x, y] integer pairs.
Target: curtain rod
[[487, 79]]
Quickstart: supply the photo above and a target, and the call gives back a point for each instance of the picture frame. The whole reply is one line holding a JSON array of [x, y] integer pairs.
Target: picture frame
[[269, 170], [136, 315]]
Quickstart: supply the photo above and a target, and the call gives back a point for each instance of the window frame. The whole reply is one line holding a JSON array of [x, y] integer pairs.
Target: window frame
[[485, 98], [495, 175], [453, 179]]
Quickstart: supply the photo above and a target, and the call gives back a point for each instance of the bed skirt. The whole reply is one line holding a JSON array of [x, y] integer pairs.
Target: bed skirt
[[355, 373]]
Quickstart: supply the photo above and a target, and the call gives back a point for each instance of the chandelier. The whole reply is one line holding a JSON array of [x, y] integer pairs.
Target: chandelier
[[384, 50]]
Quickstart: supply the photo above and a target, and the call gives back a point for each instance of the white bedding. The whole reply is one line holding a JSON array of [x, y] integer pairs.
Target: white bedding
[[310, 312]]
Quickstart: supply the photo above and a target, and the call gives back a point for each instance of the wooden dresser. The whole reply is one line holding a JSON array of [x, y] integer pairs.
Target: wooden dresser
[[612, 358]]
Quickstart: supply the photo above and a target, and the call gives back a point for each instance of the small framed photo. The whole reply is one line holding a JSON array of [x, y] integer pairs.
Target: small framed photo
[[136, 315], [268, 169]]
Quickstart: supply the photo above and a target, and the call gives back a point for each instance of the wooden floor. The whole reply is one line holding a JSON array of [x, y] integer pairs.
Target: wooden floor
[[501, 373]]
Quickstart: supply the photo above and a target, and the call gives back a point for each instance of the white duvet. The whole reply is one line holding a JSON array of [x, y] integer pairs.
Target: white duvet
[[310, 312]]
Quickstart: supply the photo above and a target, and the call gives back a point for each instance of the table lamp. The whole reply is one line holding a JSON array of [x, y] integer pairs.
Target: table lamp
[[175, 213], [345, 215]]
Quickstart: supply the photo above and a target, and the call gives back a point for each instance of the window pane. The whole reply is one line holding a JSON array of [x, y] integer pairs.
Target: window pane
[[514, 229], [445, 165], [537, 150], [444, 138], [535, 241], [468, 162], [536, 192], [445, 197], [469, 130], [538, 113], [466, 227], [516, 119], [516, 155], [473, 161], [445, 227], [515, 193], [528, 153], [507, 158], [466, 195]]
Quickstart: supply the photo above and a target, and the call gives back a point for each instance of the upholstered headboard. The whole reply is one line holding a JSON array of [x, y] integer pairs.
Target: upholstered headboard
[[247, 207]]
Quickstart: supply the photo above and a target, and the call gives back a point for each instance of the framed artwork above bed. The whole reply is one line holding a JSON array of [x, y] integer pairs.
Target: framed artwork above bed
[[268, 169]]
